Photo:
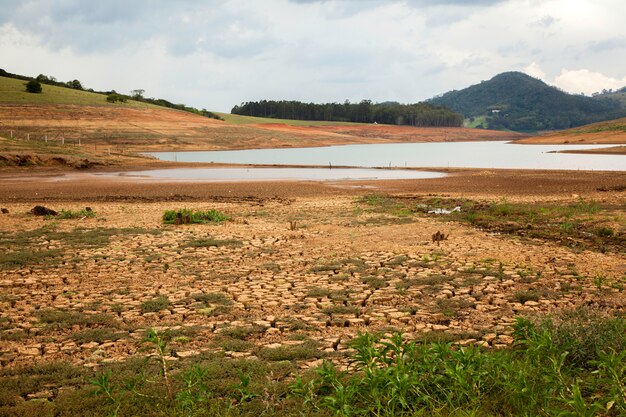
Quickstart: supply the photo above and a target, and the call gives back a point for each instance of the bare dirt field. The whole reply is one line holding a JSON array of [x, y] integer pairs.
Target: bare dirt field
[[299, 268], [123, 128], [292, 274]]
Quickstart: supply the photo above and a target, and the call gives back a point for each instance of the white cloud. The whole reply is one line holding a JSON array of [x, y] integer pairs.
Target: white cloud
[[534, 70], [218, 53], [585, 81]]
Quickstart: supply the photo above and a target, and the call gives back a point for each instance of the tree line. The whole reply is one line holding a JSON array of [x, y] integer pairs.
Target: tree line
[[418, 114]]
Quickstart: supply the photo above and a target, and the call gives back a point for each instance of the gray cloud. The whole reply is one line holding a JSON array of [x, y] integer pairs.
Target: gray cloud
[[608, 44], [215, 53]]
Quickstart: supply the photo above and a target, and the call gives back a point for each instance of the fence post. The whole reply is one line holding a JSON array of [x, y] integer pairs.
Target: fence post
[[28, 136], [46, 138], [11, 134], [62, 141]]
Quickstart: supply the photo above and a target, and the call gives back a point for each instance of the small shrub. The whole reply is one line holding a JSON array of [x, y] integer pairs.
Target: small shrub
[[218, 298], [99, 335], [605, 232], [195, 217], [33, 86], [240, 332], [61, 319], [375, 282], [306, 350], [154, 305], [523, 296], [78, 214]]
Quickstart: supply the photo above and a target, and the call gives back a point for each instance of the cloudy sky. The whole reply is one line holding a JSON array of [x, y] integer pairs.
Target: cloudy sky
[[218, 53]]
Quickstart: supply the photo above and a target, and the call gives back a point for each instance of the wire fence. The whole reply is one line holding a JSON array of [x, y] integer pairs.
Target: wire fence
[[60, 139]]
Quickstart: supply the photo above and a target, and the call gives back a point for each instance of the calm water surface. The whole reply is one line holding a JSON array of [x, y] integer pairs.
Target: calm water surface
[[429, 155], [264, 174]]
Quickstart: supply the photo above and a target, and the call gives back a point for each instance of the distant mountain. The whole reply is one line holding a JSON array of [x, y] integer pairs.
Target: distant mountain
[[519, 102]]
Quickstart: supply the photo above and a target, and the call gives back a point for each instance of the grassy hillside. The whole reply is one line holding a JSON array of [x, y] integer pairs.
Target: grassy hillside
[[608, 132], [12, 91], [518, 102]]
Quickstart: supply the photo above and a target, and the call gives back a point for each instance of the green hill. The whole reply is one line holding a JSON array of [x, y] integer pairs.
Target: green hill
[[516, 101], [13, 91]]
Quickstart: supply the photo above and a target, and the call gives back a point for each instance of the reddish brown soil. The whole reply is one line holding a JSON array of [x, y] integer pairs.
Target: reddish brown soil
[[524, 184], [165, 129]]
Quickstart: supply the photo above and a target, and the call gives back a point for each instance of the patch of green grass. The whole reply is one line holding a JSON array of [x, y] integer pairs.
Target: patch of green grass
[[523, 296], [571, 364], [240, 332], [375, 282], [154, 305], [235, 345], [193, 216], [62, 319], [99, 335], [79, 237], [306, 350], [14, 91], [78, 214], [218, 298], [318, 292], [209, 242], [340, 309], [12, 260]]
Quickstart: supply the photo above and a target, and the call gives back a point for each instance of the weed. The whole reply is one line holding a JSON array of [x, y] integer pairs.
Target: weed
[[340, 310], [61, 319], [20, 259], [240, 332], [318, 292], [155, 304], [99, 335], [78, 214], [306, 350], [208, 242], [375, 282], [218, 298], [523, 296], [191, 216]]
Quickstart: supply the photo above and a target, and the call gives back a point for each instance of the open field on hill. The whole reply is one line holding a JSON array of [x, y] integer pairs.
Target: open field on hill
[[612, 132], [12, 91], [164, 129], [287, 281]]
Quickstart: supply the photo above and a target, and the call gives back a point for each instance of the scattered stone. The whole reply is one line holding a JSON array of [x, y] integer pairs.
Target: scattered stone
[[439, 237], [5, 210], [43, 211]]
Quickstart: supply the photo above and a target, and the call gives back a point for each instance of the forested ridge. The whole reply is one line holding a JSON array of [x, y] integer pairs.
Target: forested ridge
[[418, 114], [516, 101]]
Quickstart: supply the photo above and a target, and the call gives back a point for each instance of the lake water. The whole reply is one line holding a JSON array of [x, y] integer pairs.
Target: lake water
[[428, 155], [264, 174]]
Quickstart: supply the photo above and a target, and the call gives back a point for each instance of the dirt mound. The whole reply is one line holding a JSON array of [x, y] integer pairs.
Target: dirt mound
[[32, 160]]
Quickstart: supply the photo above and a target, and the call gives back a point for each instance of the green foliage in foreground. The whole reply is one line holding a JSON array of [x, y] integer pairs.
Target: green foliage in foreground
[[574, 365], [77, 214], [209, 216]]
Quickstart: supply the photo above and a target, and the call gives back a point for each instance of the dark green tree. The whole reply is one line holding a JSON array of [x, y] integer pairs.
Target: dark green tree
[[33, 86]]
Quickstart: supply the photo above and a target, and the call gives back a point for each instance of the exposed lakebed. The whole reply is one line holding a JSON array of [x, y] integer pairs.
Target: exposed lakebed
[[271, 174]]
